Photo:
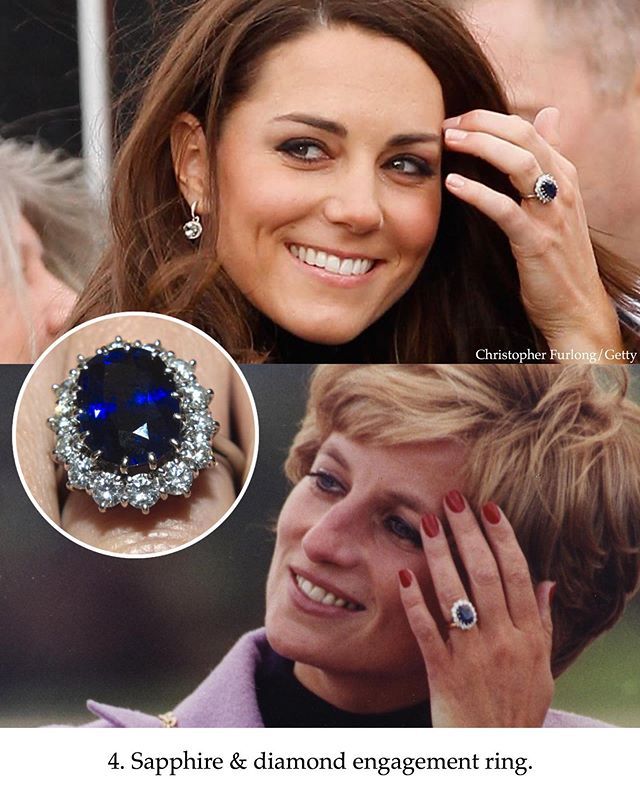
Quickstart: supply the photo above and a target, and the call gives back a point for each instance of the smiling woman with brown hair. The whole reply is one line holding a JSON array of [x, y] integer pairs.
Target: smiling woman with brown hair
[[287, 187], [455, 538]]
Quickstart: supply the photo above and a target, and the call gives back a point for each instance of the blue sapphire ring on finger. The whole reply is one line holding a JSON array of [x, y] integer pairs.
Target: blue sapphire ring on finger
[[463, 615], [545, 189], [132, 425]]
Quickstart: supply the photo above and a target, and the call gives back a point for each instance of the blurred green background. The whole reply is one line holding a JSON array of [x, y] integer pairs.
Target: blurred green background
[[143, 633], [605, 681]]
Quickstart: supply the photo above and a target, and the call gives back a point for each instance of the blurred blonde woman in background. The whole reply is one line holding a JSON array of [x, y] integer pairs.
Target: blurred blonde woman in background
[[50, 232]]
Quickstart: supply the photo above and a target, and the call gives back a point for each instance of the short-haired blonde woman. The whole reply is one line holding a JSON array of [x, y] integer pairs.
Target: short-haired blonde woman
[[455, 537], [50, 232]]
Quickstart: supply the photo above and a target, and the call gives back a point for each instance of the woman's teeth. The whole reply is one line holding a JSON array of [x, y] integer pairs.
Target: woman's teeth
[[322, 596], [331, 263]]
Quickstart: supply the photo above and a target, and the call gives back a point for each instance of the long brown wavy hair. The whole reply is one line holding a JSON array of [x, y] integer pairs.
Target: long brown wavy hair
[[466, 296]]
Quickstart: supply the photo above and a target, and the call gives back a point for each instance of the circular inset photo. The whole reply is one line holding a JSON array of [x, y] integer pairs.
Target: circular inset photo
[[135, 434]]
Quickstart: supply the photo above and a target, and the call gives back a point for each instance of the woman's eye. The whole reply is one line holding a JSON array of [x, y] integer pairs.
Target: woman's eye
[[326, 482], [303, 150], [412, 166], [401, 528]]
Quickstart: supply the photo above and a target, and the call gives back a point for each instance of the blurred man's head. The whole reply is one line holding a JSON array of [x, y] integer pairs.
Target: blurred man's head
[[582, 56]]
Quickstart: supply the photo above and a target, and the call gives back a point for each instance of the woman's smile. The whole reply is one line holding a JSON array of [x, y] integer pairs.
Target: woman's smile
[[331, 261], [322, 598], [329, 207]]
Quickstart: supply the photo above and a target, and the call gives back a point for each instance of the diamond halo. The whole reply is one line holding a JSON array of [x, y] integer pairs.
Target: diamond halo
[[143, 485], [463, 615], [546, 188]]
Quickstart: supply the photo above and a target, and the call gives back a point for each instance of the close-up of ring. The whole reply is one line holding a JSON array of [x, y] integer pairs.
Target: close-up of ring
[[545, 189], [463, 615], [132, 425]]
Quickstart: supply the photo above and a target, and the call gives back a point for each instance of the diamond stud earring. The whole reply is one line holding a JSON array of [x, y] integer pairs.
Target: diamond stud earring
[[132, 425], [193, 228]]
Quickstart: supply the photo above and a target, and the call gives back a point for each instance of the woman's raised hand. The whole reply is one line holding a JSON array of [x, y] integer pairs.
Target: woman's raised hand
[[498, 672], [560, 286]]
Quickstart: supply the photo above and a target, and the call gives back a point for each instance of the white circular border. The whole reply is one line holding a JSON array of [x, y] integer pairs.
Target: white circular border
[[256, 438]]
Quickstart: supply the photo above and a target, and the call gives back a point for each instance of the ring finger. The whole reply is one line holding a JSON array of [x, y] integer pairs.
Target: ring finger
[[445, 577]]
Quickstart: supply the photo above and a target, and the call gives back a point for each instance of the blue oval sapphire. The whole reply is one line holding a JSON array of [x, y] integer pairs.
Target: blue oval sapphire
[[465, 614], [549, 189], [125, 406], [546, 188]]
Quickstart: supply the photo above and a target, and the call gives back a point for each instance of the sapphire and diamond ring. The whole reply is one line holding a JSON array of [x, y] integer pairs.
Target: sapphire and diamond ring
[[545, 189], [132, 425], [463, 615]]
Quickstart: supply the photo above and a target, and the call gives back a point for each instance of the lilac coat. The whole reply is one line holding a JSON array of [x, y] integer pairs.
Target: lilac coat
[[227, 699]]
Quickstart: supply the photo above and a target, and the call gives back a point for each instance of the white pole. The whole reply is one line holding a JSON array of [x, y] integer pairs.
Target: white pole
[[95, 95]]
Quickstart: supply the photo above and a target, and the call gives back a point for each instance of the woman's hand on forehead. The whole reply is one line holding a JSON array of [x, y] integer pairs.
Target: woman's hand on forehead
[[561, 288], [494, 670]]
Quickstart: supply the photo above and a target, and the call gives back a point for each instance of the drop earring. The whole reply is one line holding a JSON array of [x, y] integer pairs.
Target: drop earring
[[193, 227]]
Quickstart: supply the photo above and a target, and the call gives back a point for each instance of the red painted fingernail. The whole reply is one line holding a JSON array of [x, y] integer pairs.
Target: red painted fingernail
[[552, 592], [431, 525], [491, 513], [455, 501], [405, 578]]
